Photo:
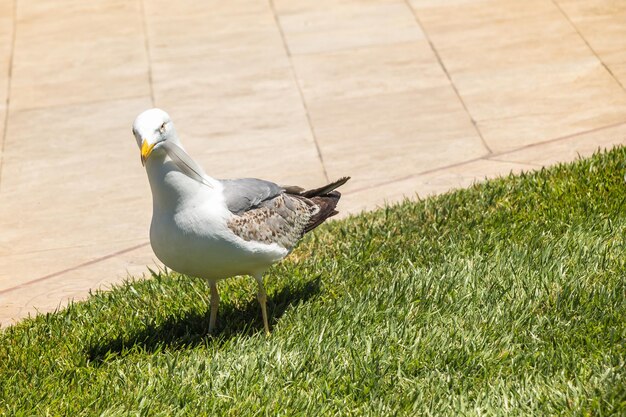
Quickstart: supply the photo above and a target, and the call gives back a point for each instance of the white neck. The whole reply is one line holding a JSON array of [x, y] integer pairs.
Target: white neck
[[171, 188]]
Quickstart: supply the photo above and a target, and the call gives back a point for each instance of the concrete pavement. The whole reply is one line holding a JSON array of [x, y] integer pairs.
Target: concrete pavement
[[407, 97]]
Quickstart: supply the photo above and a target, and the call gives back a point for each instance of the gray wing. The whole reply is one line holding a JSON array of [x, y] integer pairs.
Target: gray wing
[[244, 194], [282, 220]]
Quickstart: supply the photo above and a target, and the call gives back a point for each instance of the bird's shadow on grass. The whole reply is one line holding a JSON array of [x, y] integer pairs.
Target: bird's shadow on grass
[[191, 329]]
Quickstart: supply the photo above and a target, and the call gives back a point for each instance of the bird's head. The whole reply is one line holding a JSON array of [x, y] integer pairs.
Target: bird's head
[[155, 134], [152, 129]]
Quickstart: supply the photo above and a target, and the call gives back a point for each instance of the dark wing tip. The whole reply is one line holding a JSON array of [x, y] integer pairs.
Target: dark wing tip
[[325, 189]]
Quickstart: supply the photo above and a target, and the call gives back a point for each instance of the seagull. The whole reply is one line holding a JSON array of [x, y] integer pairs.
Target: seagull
[[216, 229]]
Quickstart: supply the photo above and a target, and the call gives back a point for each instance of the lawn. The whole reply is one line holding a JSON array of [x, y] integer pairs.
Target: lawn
[[507, 298]]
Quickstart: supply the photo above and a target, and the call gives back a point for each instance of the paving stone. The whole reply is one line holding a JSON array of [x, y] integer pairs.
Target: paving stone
[[6, 46], [390, 136], [431, 183], [568, 148], [349, 25], [78, 53], [367, 71]]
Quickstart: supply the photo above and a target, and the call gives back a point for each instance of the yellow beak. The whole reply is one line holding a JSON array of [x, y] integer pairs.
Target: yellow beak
[[146, 150]]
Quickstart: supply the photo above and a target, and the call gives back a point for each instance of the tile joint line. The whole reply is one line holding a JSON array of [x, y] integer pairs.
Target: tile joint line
[[73, 268], [606, 67], [496, 158], [83, 103], [445, 70], [489, 157], [144, 20], [5, 128], [295, 80]]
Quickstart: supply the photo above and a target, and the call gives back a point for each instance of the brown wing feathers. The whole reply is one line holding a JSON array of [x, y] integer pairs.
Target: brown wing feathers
[[285, 217]]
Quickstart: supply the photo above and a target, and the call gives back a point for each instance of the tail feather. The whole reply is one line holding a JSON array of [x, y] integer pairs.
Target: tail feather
[[326, 199]]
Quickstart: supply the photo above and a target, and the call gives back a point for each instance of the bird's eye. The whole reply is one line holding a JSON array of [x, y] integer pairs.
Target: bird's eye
[[162, 128]]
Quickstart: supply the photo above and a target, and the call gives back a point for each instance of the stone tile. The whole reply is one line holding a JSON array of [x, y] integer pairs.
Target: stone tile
[[6, 46], [619, 71], [71, 175], [395, 135], [33, 268], [568, 148], [205, 9], [228, 81], [603, 24], [89, 51], [427, 184], [297, 6], [2, 119], [539, 35], [369, 70], [221, 123], [230, 107], [291, 163], [349, 26], [575, 98], [476, 21], [524, 73], [95, 18], [75, 284], [212, 37]]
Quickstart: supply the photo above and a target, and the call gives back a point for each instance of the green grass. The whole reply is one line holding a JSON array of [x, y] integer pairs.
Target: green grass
[[508, 298]]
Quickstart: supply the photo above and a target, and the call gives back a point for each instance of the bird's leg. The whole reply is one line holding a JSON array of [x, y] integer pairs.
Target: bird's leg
[[262, 297], [215, 302]]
